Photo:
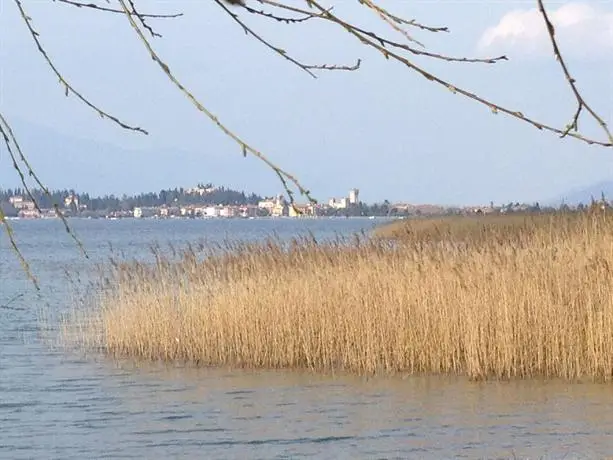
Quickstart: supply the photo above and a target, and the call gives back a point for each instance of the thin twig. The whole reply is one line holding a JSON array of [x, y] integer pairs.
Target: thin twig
[[5, 137], [281, 52], [349, 68], [279, 18], [93, 6], [408, 22], [245, 148], [9, 136], [385, 41], [581, 104], [68, 88], [142, 20], [8, 229], [306, 67], [384, 15]]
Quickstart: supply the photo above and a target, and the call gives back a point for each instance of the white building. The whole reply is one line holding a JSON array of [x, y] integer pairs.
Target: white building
[[340, 203], [275, 206], [211, 211], [248, 211], [201, 190], [354, 196], [227, 211], [266, 204], [16, 201], [19, 203]]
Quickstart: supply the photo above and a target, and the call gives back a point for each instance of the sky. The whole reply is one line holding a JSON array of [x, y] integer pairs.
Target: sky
[[383, 129]]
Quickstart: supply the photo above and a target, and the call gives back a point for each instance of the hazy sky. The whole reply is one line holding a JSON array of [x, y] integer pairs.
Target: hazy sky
[[383, 129]]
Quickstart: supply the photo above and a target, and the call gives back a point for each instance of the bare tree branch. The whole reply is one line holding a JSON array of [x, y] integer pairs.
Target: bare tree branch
[[9, 137], [94, 6], [380, 43], [283, 175], [368, 41], [581, 104], [394, 24], [8, 229], [399, 20], [68, 88], [350, 68], [4, 128], [387, 42], [142, 20], [279, 18], [281, 52]]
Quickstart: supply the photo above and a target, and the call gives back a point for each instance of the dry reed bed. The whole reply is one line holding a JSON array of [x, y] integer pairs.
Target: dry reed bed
[[537, 304]]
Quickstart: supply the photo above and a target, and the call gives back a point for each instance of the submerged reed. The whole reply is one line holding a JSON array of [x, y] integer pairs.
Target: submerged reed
[[515, 297]]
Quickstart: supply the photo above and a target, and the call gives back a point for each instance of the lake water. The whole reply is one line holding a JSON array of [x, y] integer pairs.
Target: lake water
[[55, 404]]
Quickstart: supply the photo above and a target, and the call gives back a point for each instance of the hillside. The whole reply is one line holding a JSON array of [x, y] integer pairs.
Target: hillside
[[584, 195]]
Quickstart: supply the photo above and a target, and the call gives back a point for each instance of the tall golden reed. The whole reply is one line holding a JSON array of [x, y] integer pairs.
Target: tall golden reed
[[490, 297]]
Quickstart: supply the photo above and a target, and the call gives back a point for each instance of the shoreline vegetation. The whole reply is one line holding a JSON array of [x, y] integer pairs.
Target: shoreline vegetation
[[488, 297]]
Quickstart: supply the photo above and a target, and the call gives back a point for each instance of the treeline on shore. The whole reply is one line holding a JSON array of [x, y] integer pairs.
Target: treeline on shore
[[111, 203]]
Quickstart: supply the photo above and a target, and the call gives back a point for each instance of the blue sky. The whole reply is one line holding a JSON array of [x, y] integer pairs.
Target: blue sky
[[383, 129]]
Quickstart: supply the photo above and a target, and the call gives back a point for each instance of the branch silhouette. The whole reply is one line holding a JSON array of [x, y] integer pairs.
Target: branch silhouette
[[391, 21], [286, 20], [281, 52], [68, 88], [9, 138], [106, 9], [367, 40], [246, 148], [8, 229], [581, 104], [142, 20]]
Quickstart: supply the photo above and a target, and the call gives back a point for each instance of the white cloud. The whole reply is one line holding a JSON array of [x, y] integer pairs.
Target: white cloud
[[581, 30]]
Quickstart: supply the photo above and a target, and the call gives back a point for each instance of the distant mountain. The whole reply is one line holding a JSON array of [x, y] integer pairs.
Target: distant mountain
[[65, 162], [584, 195]]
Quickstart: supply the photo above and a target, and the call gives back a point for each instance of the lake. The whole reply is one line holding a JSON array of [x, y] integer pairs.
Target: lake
[[55, 403]]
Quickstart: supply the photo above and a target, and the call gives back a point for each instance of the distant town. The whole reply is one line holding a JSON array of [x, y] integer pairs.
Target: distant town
[[206, 201]]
